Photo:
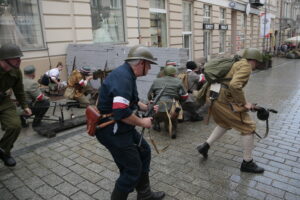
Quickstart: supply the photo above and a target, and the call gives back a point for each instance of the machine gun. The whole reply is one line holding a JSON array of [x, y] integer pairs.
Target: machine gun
[[101, 74], [150, 112], [263, 114]]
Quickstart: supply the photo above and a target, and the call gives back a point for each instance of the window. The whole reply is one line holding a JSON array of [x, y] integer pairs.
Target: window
[[206, 18], [20, 24], [222, 41], [222, 16], [107, 21], [187, 27], [158, 23], [243, 30]]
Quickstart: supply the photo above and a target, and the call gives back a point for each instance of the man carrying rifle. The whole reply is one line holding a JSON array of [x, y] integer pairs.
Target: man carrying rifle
[[118, 95]]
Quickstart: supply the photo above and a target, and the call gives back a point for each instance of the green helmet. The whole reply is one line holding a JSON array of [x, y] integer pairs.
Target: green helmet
[[8, 51], [170, 70], [139, 52], [252, 53]]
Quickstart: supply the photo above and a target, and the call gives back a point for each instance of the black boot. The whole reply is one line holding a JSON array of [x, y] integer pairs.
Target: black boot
[[203, 149], [24, 122], [251, 167], [7, 159], [156, 126], [174, 133], [118, 195], [36, 122], [144, 190]]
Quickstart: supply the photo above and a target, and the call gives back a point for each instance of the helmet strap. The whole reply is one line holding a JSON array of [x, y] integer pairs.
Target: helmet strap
[[11, 65]]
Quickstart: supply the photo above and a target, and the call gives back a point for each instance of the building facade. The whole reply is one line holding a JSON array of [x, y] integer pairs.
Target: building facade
[[207, 28]]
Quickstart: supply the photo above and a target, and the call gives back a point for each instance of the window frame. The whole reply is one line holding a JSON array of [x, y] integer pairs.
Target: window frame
[[206, 18], [222, 15]]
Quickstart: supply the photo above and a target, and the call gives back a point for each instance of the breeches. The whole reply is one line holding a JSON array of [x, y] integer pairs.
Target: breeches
[[11, 124], [131, 160]]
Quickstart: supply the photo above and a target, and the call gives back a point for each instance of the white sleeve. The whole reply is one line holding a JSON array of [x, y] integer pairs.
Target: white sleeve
[[54, 73]]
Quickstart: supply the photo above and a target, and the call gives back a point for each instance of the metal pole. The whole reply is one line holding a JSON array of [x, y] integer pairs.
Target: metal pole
[[280, 25], [265, 18]]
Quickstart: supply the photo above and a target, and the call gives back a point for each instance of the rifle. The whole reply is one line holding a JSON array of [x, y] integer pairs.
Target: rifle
[[74, 63], [150, 111]]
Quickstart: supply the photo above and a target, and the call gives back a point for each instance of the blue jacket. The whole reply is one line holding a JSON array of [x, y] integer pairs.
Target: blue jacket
[[118, 95]]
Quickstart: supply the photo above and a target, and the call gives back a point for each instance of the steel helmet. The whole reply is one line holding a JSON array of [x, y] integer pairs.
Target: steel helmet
[[262, 114], [252, 53], [170, 70], [8, 51], [139, 52]]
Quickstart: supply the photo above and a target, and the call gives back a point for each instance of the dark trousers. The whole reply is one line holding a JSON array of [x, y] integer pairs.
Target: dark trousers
[[131, 160], [39, 109], [11, 124]]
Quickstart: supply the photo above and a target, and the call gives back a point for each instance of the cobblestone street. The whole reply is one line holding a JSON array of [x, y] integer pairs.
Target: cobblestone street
[[75, 166]]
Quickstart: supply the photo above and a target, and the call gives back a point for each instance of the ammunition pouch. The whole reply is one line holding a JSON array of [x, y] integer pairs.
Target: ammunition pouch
[[94, 118]]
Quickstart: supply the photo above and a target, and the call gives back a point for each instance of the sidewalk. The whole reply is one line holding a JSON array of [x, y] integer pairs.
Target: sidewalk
[[75, 166]]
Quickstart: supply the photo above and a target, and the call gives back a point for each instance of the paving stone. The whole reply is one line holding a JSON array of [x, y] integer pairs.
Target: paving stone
[[80, 196], [60, 170], [102, 194], [48, 163], [274, 158], [170, 190], [91, 176], [46, 191], [52, 179], [66, 188], [73, 178], [290, 196], [23, 193], [109, 174], [286, 187], [187, 187], [270, 190], [106, 184], [6, 194], [34, 182], [78, 169], [59, 197], [13, 183], [88, 187], [41, 171], [23, 173], [66, 162], [82, 160]]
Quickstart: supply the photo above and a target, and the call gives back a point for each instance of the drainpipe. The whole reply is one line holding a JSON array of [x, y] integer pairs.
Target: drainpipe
[[265, 18], [280, 25], [139, 22], [73, 20]]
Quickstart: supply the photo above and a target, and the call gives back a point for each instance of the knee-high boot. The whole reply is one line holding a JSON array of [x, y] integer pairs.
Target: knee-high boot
[[118, 195], [144, 190]]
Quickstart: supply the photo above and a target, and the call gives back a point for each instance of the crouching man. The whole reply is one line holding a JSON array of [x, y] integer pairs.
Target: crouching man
[[37, 101]]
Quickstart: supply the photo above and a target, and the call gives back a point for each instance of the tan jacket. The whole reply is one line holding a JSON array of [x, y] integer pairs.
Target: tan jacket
[[75, 82], [222, 111]]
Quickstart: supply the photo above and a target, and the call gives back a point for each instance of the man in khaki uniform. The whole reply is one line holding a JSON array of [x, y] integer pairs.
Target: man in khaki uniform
[[10, 78], [78, 86], [168, 62], [229, 110], [37, 101], [169, 101]]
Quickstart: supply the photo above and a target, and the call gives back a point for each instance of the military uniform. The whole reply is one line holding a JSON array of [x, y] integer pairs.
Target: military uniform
[[37, 101], [174, 91], [221, 109], [10, 121], [229, 109], [78, 87], [190, 106], [118, 95]]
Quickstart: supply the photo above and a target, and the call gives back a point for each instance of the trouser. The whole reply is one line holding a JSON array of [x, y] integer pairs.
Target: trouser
[[132, 161], [11, 123], [39, 109], [191, 108], [163, 117]]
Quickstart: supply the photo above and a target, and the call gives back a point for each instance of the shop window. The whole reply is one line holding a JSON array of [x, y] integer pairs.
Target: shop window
[[158, 23], [20, 24], [107, 21], [207, 43]]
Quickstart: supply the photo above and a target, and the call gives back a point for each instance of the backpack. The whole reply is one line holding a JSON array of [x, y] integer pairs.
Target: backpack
[[184, 78], [214, 71]]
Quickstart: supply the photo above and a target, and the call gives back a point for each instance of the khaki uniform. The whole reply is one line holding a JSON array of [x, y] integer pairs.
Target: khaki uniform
[[221, 109], [75, 90], [174, 91], [32, 93], [9, 119]]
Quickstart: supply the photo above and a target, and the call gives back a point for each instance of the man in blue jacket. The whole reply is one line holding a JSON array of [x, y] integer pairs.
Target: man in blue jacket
[[118, 95]]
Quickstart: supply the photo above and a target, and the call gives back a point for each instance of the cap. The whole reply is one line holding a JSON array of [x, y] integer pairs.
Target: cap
[[171, 62], [85, 69], [30, 69]]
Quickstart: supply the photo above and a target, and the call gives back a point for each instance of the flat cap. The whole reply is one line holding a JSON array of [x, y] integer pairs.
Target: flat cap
[[30, 69], [171, 62], [85, 69]]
